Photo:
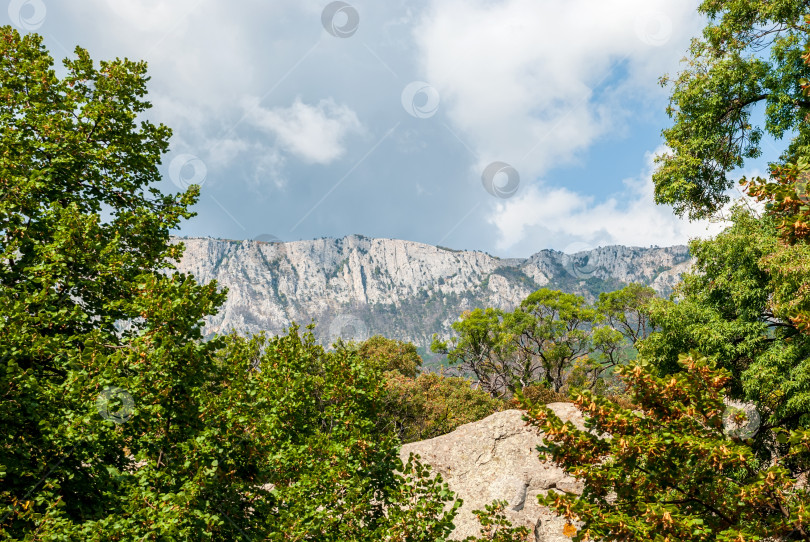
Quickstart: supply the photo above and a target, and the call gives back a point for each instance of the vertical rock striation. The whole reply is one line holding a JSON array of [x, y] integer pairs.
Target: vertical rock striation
[[356, 287]]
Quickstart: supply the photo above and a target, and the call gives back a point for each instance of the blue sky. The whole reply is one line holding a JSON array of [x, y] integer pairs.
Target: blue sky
[[305, 119]]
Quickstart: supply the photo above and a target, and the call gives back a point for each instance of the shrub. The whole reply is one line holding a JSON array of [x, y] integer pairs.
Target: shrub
[[431, 405]]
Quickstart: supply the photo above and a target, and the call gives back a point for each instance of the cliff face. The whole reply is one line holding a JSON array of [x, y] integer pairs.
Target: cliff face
[[356, 287]]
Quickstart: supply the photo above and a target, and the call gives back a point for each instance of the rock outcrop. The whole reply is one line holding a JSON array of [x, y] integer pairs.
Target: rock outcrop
[[356, 287], [497, 458]]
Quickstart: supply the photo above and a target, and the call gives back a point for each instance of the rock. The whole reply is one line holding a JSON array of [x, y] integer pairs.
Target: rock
[[400, 289], [497, 458]]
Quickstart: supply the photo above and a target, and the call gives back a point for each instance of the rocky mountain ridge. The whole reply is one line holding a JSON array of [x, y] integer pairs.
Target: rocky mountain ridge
[[356, 286]]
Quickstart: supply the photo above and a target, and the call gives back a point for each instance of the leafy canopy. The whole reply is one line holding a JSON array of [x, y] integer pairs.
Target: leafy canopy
[[751, 54], [119, 422], [552, 338]]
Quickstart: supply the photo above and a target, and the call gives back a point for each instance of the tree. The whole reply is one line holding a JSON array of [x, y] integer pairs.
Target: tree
[[627, 310], [417, 405], [143, 430], [72, 151], [668, 470], [725, 309], [551, 332], [751, 54], [392, 355], [481, 349], [433, 404], [320, 467], [553, 338], [787, 198]]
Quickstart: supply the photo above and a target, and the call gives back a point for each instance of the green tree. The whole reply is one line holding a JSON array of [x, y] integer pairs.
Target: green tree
[[71, 151], [480, 348], [554, 338], [665, 468], [551, 331], [725, 309], [392, 355], [750, 54], [432, 404], [787, 200], [668, 470], [627, 310], [320, 467], [419, 405], [144, 431]]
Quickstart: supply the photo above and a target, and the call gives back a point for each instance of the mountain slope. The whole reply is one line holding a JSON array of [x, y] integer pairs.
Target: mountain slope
[[357, 287]]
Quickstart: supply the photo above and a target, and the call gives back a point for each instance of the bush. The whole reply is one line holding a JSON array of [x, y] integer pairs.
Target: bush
[[538, 394], [431, 405], [391, 355]]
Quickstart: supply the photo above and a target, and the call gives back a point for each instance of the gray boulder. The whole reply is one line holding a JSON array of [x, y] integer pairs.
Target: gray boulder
[[497, 458]]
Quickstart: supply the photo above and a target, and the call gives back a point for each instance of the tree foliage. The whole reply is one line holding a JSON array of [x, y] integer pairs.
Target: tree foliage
[[120, 422], [669, 470], [392, 355], [433, 404], [420, 405], [325, 468], [751, 54], [553, 338], [71, 149], [726, 310], [665, 467]]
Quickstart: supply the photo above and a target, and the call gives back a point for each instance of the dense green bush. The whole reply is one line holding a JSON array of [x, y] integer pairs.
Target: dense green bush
[[310, 419], [391, 355], [432, 404], [419, 405]]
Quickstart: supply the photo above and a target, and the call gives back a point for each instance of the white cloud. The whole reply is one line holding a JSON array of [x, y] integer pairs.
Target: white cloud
[[205, 54], [222, 152], [151, 15], [270, 167], [534, 82], [563, 217], [313, 133]]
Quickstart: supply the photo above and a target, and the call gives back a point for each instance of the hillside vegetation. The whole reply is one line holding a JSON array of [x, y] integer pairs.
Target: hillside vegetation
[[125, 420]]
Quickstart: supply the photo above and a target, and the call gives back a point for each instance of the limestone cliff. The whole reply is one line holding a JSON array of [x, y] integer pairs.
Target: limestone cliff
[[357, 287]]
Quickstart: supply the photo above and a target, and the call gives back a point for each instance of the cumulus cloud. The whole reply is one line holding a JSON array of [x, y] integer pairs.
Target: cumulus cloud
[[313, 133], [270, 167], [534, 83], [566, 218]]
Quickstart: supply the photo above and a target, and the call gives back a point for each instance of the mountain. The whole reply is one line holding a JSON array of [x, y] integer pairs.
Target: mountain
[[356, 287]]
